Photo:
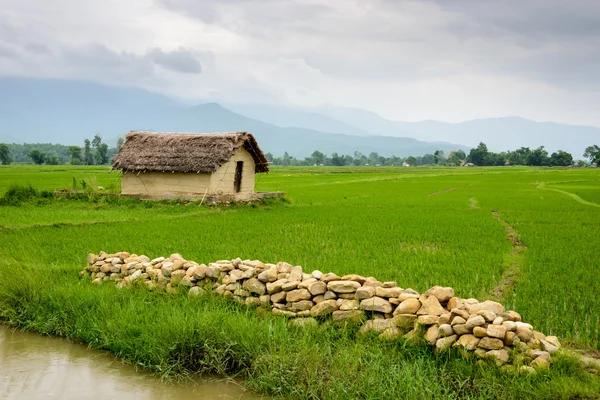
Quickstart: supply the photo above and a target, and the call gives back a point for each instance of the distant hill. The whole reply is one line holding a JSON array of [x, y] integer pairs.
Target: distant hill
[[499, 134], [66, 112]]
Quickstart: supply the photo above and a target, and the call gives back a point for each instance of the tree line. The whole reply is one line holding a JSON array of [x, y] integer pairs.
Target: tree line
[[93, 152], [479, 156]]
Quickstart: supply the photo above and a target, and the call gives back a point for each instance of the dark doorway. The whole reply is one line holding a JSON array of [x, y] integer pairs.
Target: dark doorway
[[237, 184]]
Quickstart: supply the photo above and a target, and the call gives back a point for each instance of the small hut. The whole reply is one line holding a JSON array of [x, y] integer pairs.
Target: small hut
[[190, 165]]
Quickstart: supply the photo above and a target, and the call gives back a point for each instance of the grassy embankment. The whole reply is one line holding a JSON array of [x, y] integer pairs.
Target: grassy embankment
[[419, 227]]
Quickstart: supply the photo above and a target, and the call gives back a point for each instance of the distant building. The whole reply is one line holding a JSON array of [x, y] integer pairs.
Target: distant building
[[405, 164], [184, 165]]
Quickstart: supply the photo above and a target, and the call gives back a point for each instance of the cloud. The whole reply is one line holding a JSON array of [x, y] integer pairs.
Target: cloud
[[407, 59], [180, 60]]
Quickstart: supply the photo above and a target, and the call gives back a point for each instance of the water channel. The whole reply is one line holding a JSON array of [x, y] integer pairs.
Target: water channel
[[38, 367]]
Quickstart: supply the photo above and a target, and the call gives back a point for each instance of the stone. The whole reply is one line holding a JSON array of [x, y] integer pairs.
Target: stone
[[432, 334], [390, 334], [343, 286], [375, 325], [176, 276], [351, 316], [319, 298], [317, 274], [329, 295], [500, 357], [540, 353], [303, 314], [457, 312], [549, 347], [524, 333], [405, 321], [458, 321], [354, 277], [254, 285], [178, 264], [317, 288], [306, 282], [510, 338], [285, 313], [461, 329], [408, 306], [407, 295], [487, 305], [136, 275], [468, 342], [186, 281], [431, 306], [413, 335], [330, 277], [269, 275], [491, 343], [524, 325], [443, 294], [290, 285], [306, 276], [304, 322], [388, 292], [376, 304], [365, 292], [445, 343], [540, 363], [283, 267], [302, 305], [348, 305], [444, 319], [479, 352], [157, 260], [212, 272], [455, 303], [496, 331], [538, 335], [445, 330], [510, 325], [278, 297], [346, 296], [394, 301], [488, 316], [171, 289], [252, 301], [274, 287], [554, 341], [200, 272], [525, 369], [389, 284], [498, 321], [297, 295], [427, 319], [372, 282], [511, 316], [324, 308]]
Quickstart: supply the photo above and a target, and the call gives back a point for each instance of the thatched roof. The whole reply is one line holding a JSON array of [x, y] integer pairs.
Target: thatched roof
[[185, 152]]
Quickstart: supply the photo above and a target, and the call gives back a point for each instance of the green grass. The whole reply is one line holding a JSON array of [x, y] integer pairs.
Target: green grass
[[412, 225]]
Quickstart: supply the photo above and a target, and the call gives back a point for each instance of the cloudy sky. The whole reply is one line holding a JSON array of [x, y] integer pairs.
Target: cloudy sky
[[409, 60]]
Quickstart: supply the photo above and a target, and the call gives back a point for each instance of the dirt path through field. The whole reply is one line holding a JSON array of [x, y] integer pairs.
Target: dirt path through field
[[513, 261], [443, 191], [571, 195]]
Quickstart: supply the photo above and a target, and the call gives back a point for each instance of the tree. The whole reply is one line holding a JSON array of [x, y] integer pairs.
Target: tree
[[37, 156], [5, 158], [268, 156], [74, 153], [102, 154], [412, 161], [479, 155], [120, 142], [438, 157], [318, 157], [592, 153], [538, 157], [561, 159], [337, 160], [54, 160], [88, 157]]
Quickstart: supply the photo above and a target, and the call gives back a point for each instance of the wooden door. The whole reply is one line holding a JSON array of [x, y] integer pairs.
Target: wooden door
[[237, 183]]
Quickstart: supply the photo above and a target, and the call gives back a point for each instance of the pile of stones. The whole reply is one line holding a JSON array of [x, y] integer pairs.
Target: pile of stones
[[482, 329]]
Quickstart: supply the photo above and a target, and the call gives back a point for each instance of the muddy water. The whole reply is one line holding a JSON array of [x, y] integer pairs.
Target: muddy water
[[37, 367]]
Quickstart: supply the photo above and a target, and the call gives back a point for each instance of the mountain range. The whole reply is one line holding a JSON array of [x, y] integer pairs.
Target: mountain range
[[66, 112]]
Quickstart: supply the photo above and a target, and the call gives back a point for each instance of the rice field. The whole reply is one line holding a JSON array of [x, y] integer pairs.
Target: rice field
[[418, 226]]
